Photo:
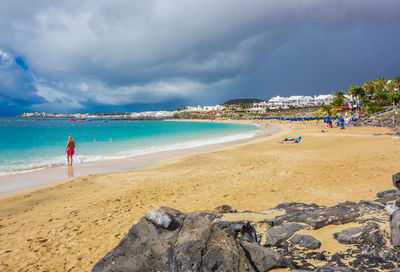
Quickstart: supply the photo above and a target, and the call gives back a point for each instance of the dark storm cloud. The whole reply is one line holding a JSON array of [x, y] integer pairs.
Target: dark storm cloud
[[123, 52]]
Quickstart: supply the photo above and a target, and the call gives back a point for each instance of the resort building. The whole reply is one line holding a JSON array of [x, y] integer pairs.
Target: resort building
[[204, 108], [213, 108], [323, 99], [259, 107], [278, 102], [198, 108], [298, 101]]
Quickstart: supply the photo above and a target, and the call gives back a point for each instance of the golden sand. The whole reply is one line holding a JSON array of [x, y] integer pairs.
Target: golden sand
[[70, 225]]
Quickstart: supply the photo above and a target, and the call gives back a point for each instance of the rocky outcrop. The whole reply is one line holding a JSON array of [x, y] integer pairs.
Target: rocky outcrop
[[381, 119], [169, 240], [396, 180], [276, 235], [395, 228], [306, 241], [354, 235]]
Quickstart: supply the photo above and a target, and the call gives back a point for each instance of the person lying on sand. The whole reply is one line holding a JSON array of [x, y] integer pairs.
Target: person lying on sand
[[291, 141]]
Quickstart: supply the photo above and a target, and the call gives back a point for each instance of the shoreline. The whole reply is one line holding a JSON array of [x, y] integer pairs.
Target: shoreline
[[71, 225], [42, 178]]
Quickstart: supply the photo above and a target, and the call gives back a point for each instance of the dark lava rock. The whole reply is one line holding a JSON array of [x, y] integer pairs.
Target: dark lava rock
[[395, 228], [396, 180], [374, 238], [264, 258], [189, 242], [370, 206], [397, 203], [225, 209], [382, 194], [305, 241], [276, 235], [248, 233], [354, 235], [319, 217], [334, 269], [295, 207], [387, 196], [243, 228]]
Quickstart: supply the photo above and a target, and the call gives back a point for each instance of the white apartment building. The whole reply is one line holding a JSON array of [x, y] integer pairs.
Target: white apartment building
[[278, 102], [298, 101], [323, 99], [205, 108], [213, 108], [259, 107], [198, 108]]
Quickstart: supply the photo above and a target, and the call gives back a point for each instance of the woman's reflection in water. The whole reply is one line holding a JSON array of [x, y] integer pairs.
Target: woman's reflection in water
[[70, 171]]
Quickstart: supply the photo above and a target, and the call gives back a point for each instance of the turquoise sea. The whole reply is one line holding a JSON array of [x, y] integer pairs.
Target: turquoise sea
[[27, 144]]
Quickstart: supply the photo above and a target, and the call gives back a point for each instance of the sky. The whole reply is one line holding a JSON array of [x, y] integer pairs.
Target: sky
[[128, 55]]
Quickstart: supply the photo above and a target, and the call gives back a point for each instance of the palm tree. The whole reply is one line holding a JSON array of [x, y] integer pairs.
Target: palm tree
[[381, 97], [327, 109], [396, 83], [356, 91], [390, 86], [380, 84], [369, 88], [338, 100], [339, 93], [394, 98]]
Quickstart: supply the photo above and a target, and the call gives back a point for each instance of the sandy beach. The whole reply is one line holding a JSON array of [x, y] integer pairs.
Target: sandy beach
[[70, 225]]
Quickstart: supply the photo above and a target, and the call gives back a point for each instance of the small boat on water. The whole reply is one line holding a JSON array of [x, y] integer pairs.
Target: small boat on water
[[75, 120]]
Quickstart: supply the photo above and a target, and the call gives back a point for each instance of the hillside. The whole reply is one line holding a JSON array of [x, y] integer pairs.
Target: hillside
[[242, 101]]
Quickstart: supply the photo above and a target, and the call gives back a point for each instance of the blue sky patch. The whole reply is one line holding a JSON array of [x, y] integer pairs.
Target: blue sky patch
[[20, 61]]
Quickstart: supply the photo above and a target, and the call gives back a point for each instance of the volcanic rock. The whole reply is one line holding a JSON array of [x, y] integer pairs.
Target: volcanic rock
[[276, 235], [354, 235], [305, 241], [395, 228], [190, 242], [396, 180]]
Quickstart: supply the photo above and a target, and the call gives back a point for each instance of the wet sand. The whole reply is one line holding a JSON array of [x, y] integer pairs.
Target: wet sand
[[70, 225]]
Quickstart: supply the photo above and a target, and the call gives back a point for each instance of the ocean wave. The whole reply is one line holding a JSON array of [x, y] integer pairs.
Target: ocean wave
[[60, 160]]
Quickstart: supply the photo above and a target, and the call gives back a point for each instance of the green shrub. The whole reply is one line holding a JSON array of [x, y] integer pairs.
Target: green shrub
[[374, 109]]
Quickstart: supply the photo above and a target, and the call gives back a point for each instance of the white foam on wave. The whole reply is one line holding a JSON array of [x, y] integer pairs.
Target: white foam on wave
[[61, 160]]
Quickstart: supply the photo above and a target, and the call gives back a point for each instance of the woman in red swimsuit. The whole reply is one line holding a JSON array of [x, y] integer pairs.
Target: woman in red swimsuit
[[70, 150]]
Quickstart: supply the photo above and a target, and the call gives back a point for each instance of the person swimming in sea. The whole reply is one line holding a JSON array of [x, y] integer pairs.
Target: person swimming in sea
[[70, 150]]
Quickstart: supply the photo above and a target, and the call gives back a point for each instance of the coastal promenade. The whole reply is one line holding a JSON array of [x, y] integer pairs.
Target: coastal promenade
[[71, 225]]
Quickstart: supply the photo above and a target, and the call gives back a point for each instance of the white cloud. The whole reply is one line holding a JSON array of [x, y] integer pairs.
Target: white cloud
[[75, 95]]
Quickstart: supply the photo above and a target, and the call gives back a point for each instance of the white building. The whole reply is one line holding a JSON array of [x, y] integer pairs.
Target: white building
[[198, 108], [278, 102], [301, 101], [213, 108], [323, 99], [259, 107], [298, 101], [204, 108]]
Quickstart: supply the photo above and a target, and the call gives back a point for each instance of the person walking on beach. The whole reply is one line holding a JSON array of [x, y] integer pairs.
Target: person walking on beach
[[70, 150]]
